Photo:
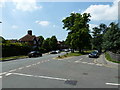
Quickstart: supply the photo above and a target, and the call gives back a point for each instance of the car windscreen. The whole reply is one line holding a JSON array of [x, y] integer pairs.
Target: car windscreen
[[94, 52], [33, 52]]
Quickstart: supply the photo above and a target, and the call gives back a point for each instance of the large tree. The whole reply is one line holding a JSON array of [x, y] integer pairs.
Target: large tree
[[53, 43], [46, 45], [111, 39], [98, 36], [41, 40], [78, 27]]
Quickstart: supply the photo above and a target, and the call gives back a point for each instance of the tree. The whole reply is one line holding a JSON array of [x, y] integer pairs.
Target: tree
[[111, 39], [46, 45], [78, 27], [98, 36], [41, 40], [2, 40], [53, 43]]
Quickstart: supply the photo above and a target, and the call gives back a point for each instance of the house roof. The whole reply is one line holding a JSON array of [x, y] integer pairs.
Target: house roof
[[27, 37]]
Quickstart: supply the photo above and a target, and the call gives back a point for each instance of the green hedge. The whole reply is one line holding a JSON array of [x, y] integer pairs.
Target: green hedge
[[14, 50]]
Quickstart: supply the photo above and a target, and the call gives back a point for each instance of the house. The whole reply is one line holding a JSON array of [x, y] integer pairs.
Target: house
[[30, 39], [62, 45]]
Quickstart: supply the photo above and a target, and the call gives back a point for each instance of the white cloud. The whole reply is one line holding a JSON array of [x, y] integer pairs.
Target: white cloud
[[43, 23], [14, 27], [103, 12], [26, 5], [2, 3], [91, 26]]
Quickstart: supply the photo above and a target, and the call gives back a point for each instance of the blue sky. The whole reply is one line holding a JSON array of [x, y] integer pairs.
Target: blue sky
[[45, 18]]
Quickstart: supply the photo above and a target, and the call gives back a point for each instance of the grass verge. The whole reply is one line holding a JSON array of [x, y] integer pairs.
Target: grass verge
[[69, 55], [107, 56], [12, 58]]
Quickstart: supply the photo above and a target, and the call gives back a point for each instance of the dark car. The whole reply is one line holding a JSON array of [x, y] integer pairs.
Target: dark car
[[94, 54], [34, 54]]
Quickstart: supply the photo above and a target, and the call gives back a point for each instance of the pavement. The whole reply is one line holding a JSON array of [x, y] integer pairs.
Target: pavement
[[48, 72], [102, 60]]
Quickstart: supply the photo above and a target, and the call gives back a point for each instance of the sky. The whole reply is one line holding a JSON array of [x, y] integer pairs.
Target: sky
[[45, 18]]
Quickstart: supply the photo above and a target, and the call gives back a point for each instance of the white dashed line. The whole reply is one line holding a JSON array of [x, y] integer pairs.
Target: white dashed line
[[13, 70], [77, 61], [91, 63], [20, 68], [28, 66], [112, 84], [38, 63], [3, 73], [33, 64], [8, 74], [84, 62]]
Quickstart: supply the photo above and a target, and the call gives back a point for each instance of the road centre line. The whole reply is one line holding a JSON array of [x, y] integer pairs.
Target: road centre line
[[116, 84], [44, 77], [33, 64], [85, 62], [3, 73], [8, 74], [20, 68], [28, 66], [38, 62], [12, 70]]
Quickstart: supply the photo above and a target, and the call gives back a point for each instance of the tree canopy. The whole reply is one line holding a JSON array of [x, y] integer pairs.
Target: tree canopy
[[78, 27]]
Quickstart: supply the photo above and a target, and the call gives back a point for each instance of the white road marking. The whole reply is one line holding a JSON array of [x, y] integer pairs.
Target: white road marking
[[20, 68], [81, 58], [91, 63], [116, 84], [8, 74], [84, 62], [13, 70], [38, 63], [28, 66], [0, 76], [3, 73], [77, 61], [45, 77], [99, 64]]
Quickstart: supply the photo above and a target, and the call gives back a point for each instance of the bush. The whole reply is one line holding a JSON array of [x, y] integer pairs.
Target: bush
[[12, 49]]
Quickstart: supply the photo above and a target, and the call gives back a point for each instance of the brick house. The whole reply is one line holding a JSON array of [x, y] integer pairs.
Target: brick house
[[30, 39]]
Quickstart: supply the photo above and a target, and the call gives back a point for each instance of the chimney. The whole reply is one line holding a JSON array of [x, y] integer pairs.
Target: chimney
[[30, 32]]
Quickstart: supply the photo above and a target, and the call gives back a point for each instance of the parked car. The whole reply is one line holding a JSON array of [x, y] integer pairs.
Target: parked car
[[94, 54], [66, 50], [53, 52], [58, 51], [34, 54]]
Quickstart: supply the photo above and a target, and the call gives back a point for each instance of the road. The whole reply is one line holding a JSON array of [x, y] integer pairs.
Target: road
[[48, 72]]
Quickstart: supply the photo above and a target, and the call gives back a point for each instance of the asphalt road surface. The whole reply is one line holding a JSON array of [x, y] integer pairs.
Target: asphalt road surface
[[48, 72]]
